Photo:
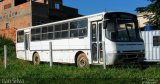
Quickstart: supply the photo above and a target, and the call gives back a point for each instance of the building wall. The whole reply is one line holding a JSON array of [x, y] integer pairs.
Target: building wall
[[40, 14], [14, 17], [142, 21]]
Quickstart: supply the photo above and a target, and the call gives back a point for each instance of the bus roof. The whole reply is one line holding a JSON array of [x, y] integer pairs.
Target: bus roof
[[87, 16], [102, 13]]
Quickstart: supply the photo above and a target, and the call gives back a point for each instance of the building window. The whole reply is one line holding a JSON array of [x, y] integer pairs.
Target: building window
[[57, 6], [7, 6], [156, 40], [40, 22], [19, 2], [7, 25], [1, 17]]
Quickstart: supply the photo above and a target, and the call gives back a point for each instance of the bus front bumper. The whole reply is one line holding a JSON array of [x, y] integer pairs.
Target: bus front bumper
[[129, 58]]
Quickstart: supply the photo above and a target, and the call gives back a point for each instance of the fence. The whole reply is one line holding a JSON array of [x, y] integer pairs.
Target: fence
[[51, 55], [5, 56]]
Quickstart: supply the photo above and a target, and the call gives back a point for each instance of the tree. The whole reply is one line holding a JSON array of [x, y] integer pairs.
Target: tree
[[152, 12]]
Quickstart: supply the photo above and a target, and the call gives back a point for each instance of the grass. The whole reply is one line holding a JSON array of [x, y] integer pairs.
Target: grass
[[67, 73]]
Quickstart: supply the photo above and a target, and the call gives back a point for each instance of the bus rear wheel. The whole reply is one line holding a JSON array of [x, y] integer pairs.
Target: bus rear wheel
[[82, 61], [36, 59]]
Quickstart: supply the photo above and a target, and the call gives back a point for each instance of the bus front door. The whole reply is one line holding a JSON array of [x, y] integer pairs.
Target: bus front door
[[26, 45], [96, 36]]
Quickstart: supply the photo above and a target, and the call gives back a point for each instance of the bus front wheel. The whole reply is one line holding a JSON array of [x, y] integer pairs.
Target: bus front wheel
[[36, 59], [82, 61]]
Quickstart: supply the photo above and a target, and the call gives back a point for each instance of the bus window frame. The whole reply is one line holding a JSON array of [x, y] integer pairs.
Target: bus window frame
[[68, 30]]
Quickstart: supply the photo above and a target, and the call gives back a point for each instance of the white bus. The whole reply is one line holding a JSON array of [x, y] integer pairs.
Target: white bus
[[79, 40]]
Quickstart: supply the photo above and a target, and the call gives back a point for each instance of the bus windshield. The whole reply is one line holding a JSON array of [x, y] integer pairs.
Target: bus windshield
[[121, 29]]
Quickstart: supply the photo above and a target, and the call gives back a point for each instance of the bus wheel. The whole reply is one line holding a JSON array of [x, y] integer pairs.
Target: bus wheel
[[82, 61], [36, 59]]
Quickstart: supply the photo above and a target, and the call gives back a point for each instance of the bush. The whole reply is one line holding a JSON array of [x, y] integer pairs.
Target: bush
[[6, 41], [11, 52]]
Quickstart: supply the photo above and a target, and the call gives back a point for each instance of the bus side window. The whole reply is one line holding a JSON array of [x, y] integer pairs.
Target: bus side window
[[44, 33], [73, 29], [36, 34], [65, 31], [58, 29], [50, 32], [78, 28], [82, 28], [20, 36]]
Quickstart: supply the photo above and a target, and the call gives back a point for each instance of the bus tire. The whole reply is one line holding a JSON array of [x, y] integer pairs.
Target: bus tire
[[82, 61], [36, 59]]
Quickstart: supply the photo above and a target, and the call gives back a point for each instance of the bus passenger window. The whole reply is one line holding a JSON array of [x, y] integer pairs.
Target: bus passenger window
[[82, 27], [82, 23], [50, 32], [78, 28], [74, 33], [33, 31], [50, 28], [36, 34], [58, 29], [38, 30], [64, 34], [65, 30], [65, 26], [57, 35], [73, 25], [20, 36], [33, 38], [73, 29], [82, 32], [50, 36], [37, 37], [44, 33]]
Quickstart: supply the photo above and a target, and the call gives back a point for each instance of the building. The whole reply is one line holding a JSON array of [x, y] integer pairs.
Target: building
[[16, 14], [142, 20]]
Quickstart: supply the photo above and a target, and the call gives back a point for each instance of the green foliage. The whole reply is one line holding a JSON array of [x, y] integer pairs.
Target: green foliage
[[10, 47], [154, 9], [70, 74], [5, 41]]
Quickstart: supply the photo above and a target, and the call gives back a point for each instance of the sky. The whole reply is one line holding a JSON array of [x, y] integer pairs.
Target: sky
[[87, 7]]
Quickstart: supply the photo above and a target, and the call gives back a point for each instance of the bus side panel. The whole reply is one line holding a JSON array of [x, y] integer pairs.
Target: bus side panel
[[34, 47], [80, 44], [63, 51], [20, 51]]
